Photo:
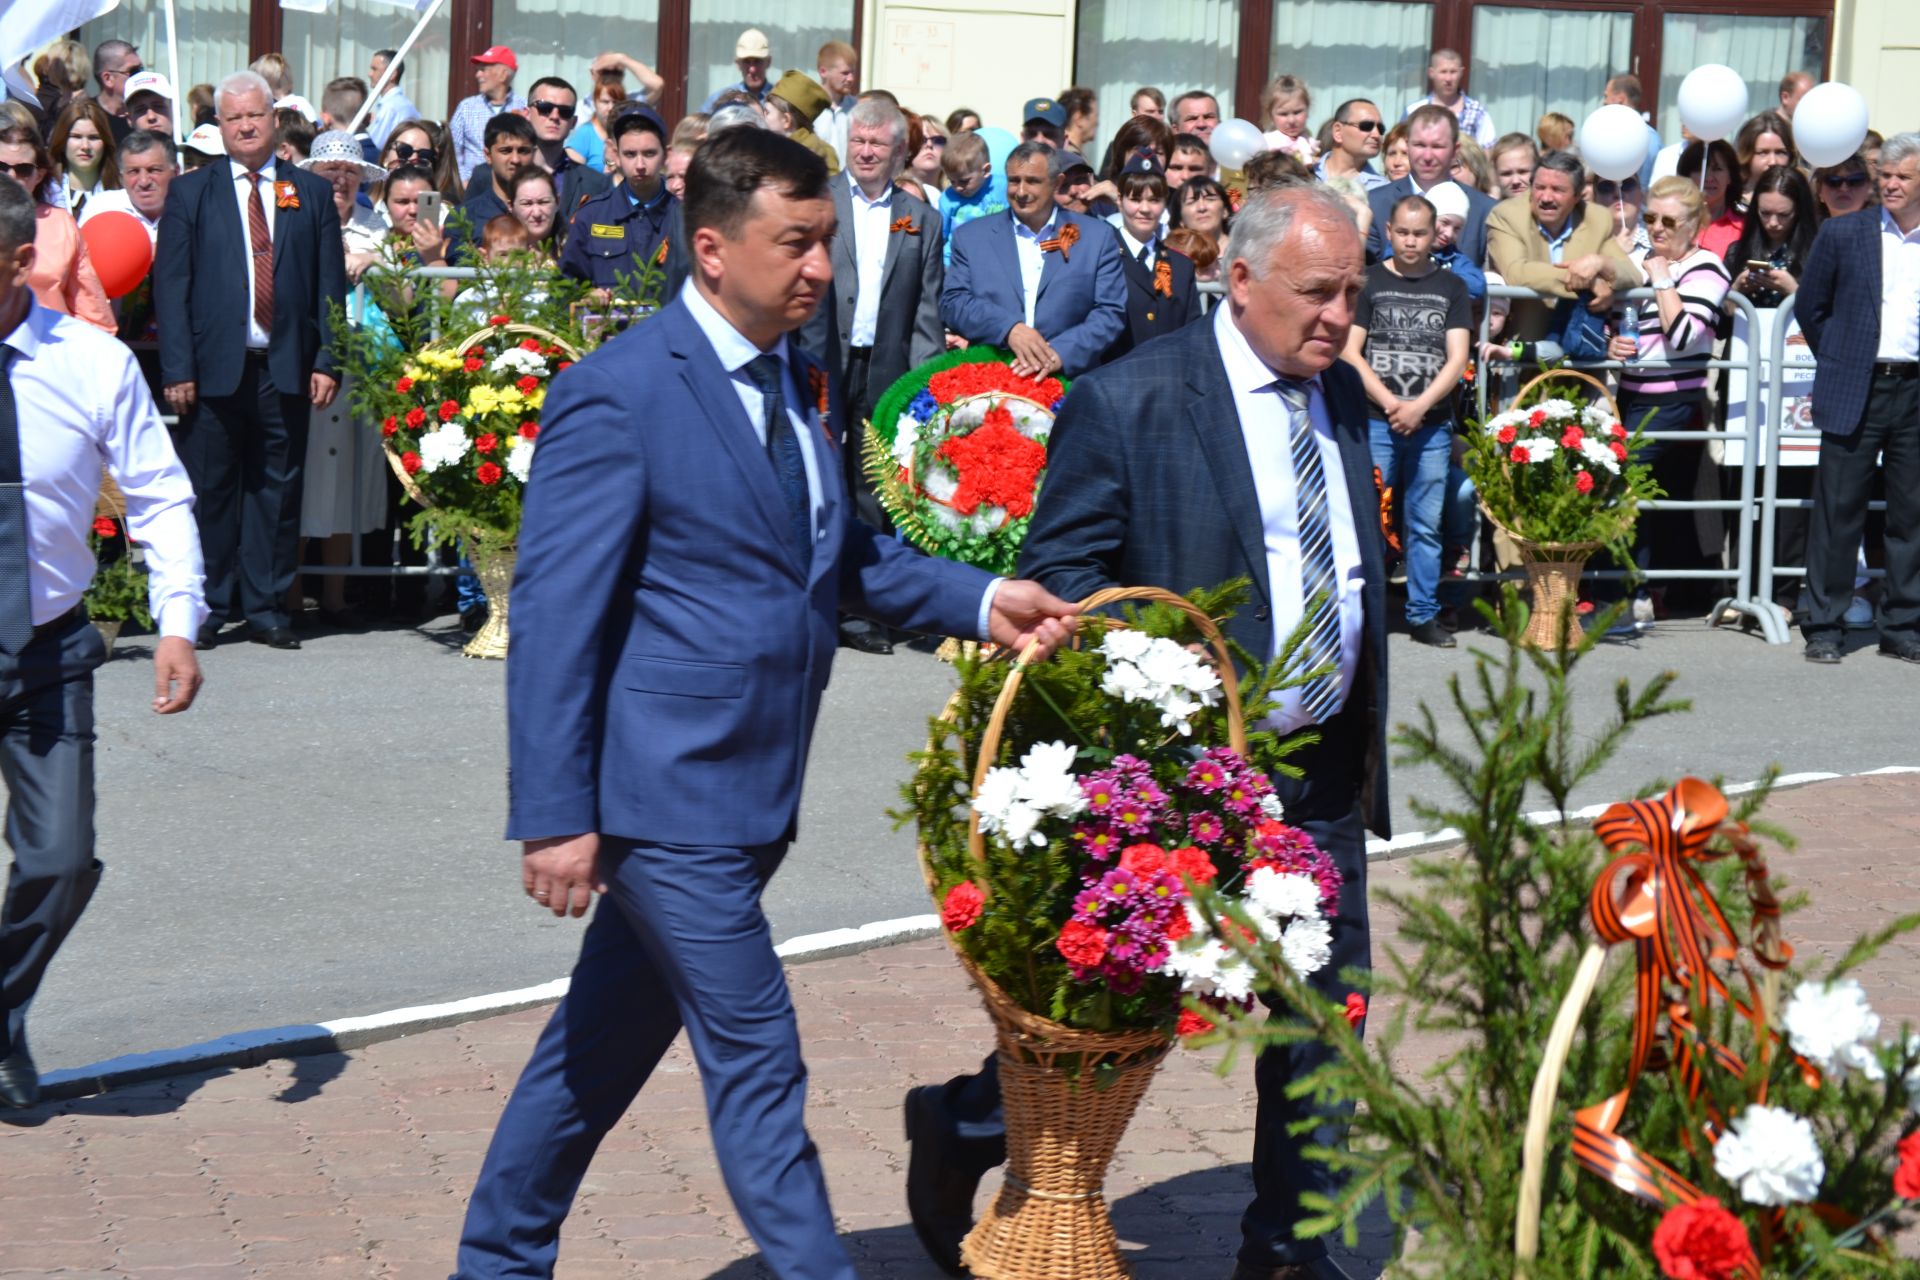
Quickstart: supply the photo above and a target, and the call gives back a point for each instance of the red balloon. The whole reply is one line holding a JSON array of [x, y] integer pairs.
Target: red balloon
[[120, 248]]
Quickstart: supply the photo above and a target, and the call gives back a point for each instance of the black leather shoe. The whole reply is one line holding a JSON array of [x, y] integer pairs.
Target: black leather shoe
[[276, 637], [19, 1079], [940, 1185], [209, 635], [1905, 648], [473, 617], [1321, 1268], [869, 641], [1824, 650], [1432, 633]]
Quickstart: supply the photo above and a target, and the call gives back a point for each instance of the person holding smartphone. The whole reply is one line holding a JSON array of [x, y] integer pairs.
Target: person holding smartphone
[[1766, 261]]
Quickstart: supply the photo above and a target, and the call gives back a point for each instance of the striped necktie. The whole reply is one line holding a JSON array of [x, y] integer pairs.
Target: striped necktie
[[1314, 524]]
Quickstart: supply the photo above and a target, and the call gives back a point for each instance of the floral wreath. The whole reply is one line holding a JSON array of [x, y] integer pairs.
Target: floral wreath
[[956, 452]]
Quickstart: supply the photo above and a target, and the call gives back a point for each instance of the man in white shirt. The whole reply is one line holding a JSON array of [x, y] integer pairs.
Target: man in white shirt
[[71, 400], [146, 171]]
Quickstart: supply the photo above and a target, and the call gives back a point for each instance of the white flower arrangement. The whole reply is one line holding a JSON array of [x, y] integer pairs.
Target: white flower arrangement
[[1600, 453], [519, 457], [1771, 1156], [1283, 907], [1539, 448], [1832, 1026], [1155, 670], [519, 362], [443, 446], [1013, 801]]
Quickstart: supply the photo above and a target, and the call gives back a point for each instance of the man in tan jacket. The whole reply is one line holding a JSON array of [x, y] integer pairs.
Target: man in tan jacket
[[1553, 241]]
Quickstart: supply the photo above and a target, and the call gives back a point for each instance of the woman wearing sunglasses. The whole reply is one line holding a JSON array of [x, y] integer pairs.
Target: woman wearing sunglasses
[[62, 276], [420, 144], [1846, 187]]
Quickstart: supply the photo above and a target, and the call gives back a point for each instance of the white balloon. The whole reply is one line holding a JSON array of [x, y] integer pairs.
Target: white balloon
[[1712, 101], [1613, 142], [1235, 142], [1830, 123]]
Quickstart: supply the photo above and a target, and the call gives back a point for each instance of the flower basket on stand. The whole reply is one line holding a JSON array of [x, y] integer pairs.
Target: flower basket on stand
[[461, 443], [1555, 474], [1087, 950]]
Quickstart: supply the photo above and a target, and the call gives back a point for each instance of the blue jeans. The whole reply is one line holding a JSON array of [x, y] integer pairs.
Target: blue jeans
[[1415, 468]]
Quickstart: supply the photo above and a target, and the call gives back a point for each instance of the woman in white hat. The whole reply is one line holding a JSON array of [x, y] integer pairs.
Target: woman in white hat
[[345, 492]]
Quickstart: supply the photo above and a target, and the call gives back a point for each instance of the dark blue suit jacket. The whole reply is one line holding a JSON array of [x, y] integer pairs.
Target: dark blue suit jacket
[[1081, 306], [1473, 236], [201, 300], [1148, 484], [1150, 314], [1838, 307], [669, 647]]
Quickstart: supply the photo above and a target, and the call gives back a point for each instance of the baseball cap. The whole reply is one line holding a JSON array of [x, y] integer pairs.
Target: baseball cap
[[498, 55], [1045, 109], [1448, 200], [206, 140], [647, 114], [752, 44], [147, 82]]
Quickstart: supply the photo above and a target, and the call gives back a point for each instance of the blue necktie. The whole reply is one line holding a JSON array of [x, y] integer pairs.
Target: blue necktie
[[16, 601], [783, 451], [1314, 521]]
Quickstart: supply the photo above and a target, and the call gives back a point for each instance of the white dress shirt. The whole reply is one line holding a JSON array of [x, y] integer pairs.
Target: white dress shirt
[[81, 402], [257, 338], [118, 201], [1134, 247], [736, 352], [872, 225], [1899, 291], [1266, 422], [1033, 259], [831, 126]]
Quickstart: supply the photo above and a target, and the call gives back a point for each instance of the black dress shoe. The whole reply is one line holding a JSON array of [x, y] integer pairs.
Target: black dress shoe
[[866, 641], [1824, 650], [473, 617], [940, 1185], [209, 635], [276, 637], [19, 1079], [1432, 633], [1905, 648]]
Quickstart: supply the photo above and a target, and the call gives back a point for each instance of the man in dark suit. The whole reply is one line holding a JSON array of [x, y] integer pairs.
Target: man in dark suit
[[1433, 139], [1041, 281], [1161, 294], [1232, 449], [1864, 267], [247, 270], [669, 658]]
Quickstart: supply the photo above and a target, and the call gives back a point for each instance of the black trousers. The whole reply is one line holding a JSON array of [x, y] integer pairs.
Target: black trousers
[[860, 396], [1889, 434], [1325, 804], [46, 760], [245, 454]]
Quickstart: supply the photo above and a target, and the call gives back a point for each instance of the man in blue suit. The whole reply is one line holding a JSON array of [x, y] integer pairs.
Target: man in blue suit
[[1433, 138], [1043, 282], [1232, 448], [682, 558], [1864, 270], [247, 272]]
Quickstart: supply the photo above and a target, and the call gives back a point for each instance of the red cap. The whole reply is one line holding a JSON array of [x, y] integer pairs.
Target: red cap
[[499, 54]]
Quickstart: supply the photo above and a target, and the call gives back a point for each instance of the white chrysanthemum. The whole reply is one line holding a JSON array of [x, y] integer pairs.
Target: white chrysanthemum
[[1156, 670], [1124, 645], [520, 459], [1271, 808], [1833, 1026], [1235, 980], [1127, 682], [1539, 448], [443, 446], [1599, 453], [1307, 945], [518, 363], [906, 436], [1771, 1156], [1047, 783], [1557, 408], [1286, 894]]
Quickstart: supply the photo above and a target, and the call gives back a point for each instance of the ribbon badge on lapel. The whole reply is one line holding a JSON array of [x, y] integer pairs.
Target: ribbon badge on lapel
[[905, 224], [1163, 278], [817, 383], [284, 196], [660, 254], [1069, 236]]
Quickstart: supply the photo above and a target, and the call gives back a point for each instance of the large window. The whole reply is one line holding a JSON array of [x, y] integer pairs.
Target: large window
[[562, 38], [1374, 49], [1762, 50], [795, 30], [1527, 62], [213, 38], [341, 40], [1125, 44]]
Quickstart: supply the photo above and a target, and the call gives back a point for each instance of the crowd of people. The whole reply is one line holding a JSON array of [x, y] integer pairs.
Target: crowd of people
[[590, 178]]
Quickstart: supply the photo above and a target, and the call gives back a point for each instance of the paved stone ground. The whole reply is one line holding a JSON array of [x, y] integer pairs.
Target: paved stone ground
[[358, 1164]]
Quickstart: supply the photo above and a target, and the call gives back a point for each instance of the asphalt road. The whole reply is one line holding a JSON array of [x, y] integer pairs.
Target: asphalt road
[[320, 836]]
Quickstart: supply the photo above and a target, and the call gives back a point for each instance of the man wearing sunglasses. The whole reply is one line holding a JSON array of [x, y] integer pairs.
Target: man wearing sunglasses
[[113, 62], [551, 104], [1357, 132]]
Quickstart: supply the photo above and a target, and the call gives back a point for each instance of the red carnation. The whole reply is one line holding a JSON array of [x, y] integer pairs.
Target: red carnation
[[1194, 865], [1584, 482], [488, 473], [1571, 438], [1702, 1242], [1619, 450], [1537, 419], [416, 416], [529, 430], [1179, 927], [104, 527], [403, 386], [474, 364], [1143, 860], [1617, 431], [1906, 1179], [486, 443], [530, 344], [564, 364], [1518, 454], [497, 321], [963, 906], [1192, 1024], [447, 409], [1356, 1008], [390, 427], [410, 462], [1082, 944], [528, 384], [1507, 435]]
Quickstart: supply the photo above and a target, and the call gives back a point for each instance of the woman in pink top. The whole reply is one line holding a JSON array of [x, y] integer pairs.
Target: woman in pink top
[[62, 277]]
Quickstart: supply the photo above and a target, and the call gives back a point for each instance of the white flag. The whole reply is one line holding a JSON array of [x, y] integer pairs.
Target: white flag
[[25, 29], [305, 6]]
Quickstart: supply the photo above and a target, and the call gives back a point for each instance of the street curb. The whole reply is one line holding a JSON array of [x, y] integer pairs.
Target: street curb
[[253, 1048]]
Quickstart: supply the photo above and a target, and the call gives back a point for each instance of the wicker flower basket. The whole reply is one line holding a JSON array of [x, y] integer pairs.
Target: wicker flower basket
[[494, 567], [1049, 1221]]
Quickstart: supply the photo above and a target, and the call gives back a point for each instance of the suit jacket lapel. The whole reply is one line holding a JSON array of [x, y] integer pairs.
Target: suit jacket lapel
[[1053, 262], [826, 456], [896, 241], [1216, 424]]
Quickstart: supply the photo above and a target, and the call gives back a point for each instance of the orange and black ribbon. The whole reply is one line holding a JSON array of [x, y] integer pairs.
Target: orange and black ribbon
[[1068, 237], [817, 380], [1163, 278], [660, 254], [904, 224], [1389, 530]]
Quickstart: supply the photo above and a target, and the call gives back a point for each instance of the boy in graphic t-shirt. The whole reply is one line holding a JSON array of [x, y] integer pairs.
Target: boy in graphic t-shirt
[[1409, 341]]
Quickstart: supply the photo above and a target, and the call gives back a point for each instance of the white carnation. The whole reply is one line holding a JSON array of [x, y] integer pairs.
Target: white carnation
[[1600, 454], [1286, 894], [1515, 418], [1307, 945], [1833, 1026], [1771, 1156], [443, 446], [520, 459], [1539, 448], [906, 436], [517, 363]]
